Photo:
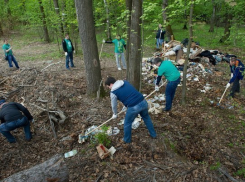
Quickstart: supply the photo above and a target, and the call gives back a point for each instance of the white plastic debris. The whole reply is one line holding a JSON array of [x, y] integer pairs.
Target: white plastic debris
[[121, 122], [94, 132], [136, 123], [112, 150], [71, 153]]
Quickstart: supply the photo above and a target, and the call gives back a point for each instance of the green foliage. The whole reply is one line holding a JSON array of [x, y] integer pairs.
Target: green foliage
[[241, 172], [102, 137], [215, 166]]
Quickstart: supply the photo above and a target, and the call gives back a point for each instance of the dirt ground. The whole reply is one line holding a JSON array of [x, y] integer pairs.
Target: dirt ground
[[195, 142]]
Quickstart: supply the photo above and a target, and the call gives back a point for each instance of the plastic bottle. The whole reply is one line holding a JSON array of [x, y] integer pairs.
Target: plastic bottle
[[71, 153]]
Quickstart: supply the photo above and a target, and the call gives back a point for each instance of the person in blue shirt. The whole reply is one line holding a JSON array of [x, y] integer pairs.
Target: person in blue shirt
[[134, 101], [237, 74], [9, 54], [68, 49]]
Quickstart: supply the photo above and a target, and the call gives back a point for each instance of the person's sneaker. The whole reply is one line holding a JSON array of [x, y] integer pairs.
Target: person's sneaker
[[165, 110], [119, 68]]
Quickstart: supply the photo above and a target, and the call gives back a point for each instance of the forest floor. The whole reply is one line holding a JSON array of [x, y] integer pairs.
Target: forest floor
[[196, 142]]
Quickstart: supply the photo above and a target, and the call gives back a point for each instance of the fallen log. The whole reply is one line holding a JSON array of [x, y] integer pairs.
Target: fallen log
[[54, 168]]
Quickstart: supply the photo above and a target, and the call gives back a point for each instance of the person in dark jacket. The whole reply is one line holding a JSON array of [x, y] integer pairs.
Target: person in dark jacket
[[14, 115], [68, 49], [237, 74], [160, 36], [135, 103]]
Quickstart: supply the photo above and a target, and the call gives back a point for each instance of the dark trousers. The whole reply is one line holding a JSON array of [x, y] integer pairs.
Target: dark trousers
[[170, 92], [5, 128], [235, 87]]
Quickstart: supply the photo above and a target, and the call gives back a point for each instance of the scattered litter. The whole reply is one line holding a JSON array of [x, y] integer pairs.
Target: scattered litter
[[112, 150], [94, 132], [66, 138], [102, 151], [121, 122], [113, 131], [136, 123], [71, 153]]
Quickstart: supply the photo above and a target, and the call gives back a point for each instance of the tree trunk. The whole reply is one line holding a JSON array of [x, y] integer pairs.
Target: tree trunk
[[135, 59], [185, 17], [57, 10], [85, 17], [45, 29], [129, 8], [183, 101], [108, 28], [54, 168], [169, 31], [212, 21], [227, 31], [1, 28]]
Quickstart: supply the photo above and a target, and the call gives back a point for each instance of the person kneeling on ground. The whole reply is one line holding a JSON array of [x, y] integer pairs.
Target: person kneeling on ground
[[237, 74], [135, 103], [171, 73], [11, 117]]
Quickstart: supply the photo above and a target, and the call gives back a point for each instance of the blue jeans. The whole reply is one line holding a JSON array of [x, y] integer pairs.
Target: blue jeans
[[5, 128], [120, 56], [10, 59], [170, 92], [131, 114], [159, 43], [69, 58]]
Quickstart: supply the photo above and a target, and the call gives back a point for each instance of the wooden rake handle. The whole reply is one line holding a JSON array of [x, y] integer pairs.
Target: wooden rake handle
[[120, 113], [223, 95]]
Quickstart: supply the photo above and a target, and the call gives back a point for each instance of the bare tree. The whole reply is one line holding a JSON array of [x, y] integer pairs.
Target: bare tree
[[183, 101], [169, 31], [133, 72], [45, 29], [129, 9], [57, 10], [108, 28], [85, 18], [212, 21], [227, 31]]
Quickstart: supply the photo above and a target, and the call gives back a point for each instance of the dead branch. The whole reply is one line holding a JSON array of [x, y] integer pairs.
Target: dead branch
[[157, 165], [28, 85], [227, 175], [50, 65]]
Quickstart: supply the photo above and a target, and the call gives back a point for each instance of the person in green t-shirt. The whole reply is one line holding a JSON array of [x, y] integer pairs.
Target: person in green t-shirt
[[68, 49], [119, 46], [167, 69], [9, 54]]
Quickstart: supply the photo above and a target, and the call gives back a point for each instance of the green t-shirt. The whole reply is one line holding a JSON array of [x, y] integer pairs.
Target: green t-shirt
[[6, 47], [119, 45], [68, 45], [168, 70]]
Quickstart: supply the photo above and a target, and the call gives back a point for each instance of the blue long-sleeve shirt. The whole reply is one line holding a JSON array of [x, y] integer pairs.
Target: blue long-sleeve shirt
[[237, 70]]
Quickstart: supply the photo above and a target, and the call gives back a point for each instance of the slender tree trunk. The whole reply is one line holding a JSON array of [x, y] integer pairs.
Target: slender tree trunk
[[1, 28], [227, 31], [45, 29], [108, 28], [133, 75], [85, 18], [212, 21], [185, 18], [169, 31], [63, 6], [129, 9], [183, 101], [57, 10]]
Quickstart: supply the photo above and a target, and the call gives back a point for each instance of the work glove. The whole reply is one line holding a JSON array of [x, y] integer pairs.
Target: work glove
[[124, 109], [103, 40], [114, 116], [228, 85], [231, 75], [156, 88], [65, 53]]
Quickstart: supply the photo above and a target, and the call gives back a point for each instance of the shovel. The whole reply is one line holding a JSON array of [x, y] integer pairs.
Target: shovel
[[82, 138], [222, 97]]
